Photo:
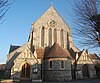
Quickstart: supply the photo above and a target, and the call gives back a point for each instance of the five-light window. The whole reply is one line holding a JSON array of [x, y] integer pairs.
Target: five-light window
[[52, 37]]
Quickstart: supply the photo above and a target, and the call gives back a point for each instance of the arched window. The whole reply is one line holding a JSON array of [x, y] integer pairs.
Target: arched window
[[50, 65], [42, 36], [62, 64], [50, 37], [55, 35], [62, 38]]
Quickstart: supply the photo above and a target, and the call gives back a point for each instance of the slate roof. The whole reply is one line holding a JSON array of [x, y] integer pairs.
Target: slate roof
[[72, 53], [13, 47]]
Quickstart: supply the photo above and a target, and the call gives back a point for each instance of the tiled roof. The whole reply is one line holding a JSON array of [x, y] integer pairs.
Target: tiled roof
[[2, 66], [94, 56], [12, 48], [40, 53], [56, 51]]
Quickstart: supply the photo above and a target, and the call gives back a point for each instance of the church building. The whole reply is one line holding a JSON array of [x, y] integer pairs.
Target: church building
[[49, 54]]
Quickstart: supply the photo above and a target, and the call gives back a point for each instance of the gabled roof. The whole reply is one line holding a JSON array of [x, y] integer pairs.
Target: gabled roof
[[56, 51], [12, 48], [19, 49], [51, 11], [79, 53]]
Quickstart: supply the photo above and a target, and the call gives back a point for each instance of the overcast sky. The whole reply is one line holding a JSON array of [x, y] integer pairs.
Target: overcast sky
[[22, 13]]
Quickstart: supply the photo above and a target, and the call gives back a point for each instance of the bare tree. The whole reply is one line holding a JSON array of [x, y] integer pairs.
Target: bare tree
[[87, 17], [4, 6]]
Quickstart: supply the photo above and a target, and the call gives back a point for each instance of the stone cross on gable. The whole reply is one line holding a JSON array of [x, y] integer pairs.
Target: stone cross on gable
[[51, 3]]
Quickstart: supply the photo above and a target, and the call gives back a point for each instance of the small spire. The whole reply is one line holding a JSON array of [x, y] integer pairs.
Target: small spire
[[52, 4]]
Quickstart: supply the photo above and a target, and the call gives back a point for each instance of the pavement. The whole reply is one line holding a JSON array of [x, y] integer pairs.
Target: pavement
[[73, 81]]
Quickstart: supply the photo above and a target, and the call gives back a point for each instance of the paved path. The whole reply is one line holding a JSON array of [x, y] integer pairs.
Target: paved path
[[73, 81]]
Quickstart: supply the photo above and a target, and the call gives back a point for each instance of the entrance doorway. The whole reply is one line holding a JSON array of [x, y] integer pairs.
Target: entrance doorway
[[85, 71], [25, 71]]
